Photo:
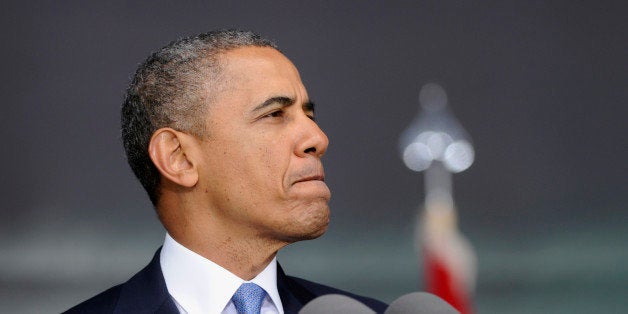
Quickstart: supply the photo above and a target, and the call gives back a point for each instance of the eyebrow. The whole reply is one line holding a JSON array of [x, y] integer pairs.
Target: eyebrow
[[284, 101]]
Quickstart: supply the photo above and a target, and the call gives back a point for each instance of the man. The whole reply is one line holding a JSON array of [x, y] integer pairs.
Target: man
[[220, 132]]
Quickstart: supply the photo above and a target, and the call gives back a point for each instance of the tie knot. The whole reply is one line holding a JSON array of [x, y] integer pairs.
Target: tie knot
[[248, 298]]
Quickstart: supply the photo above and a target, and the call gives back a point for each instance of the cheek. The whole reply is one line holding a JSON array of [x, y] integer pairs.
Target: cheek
[[272, 163], [271, 177], [227, 166], [255, 164]]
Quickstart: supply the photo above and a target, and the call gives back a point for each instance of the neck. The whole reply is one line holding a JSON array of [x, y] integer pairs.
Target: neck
[[237, 256], [241, 251]]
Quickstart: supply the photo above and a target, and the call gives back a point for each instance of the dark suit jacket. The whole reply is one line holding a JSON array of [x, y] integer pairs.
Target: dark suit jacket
[[146, 292]]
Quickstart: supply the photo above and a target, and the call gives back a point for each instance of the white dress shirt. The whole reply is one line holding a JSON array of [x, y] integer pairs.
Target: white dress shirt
[[199, 285]]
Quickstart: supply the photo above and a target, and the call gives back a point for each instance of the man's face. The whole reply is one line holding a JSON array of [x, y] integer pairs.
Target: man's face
[[261, 171]]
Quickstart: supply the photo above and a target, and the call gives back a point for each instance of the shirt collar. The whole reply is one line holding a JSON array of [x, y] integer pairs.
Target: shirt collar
[[202, 286]]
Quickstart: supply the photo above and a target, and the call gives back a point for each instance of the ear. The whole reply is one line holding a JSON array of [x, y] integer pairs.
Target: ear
[[167, 150]]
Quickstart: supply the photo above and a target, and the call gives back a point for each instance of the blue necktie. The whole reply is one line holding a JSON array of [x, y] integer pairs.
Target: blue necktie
[[248, 298]]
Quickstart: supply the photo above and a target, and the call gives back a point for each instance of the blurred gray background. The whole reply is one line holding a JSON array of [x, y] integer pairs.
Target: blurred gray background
[[541, 86]]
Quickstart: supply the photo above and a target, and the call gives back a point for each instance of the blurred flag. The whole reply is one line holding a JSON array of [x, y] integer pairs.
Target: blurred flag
[[436, 143], [448, 259]]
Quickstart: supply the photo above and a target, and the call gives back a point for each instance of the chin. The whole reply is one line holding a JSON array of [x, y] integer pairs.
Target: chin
[[311, 226], [315, 233], [304, 236]]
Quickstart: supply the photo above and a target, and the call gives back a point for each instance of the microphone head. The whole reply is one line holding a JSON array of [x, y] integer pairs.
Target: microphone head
[[420, 303], [335, 303]]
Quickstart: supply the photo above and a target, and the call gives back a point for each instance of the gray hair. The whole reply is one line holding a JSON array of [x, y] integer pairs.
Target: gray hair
[[169, 90]]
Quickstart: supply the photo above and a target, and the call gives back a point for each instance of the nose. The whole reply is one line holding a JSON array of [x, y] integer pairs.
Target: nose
[[312, 140]]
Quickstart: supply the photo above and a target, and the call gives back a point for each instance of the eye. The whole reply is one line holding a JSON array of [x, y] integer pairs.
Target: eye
[[310, 114], [274, 114]]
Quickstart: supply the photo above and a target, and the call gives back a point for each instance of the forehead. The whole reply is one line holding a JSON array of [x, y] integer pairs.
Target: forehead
[[260, 70], [252, 57]]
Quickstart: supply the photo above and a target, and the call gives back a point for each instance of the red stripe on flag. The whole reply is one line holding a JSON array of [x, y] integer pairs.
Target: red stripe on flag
[[441, 281]]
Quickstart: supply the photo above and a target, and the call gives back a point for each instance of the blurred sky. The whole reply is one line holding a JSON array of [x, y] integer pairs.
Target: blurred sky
[[541, 87]]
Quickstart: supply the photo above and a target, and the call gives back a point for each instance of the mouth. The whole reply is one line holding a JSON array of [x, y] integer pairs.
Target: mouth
[[310, 185], [316, 177]]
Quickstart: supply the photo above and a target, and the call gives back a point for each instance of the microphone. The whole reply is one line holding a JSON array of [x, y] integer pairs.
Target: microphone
[[335, 303], [420, 303]]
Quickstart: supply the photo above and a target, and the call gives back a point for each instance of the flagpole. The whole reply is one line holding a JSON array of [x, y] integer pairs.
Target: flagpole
[[435, 143]]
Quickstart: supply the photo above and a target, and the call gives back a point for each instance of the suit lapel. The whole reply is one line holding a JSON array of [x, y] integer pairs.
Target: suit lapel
[[293, 296], [146, 292]]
